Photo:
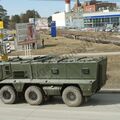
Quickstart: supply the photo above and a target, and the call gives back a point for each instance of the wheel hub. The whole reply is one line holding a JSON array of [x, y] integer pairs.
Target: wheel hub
[[6, 95], [71, 96], [32, 95]]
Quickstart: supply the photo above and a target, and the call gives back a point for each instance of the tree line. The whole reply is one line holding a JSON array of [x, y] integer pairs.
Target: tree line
[[10, 22], [23, 18], [3, 16]]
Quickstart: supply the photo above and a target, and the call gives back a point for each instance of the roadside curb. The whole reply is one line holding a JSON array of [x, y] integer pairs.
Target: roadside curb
[[109, 91]]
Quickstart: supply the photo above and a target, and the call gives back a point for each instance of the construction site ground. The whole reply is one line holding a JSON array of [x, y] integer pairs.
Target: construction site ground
[[61, 45]]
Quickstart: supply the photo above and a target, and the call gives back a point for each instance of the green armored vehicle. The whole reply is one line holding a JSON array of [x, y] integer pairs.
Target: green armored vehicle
[[72, 78]]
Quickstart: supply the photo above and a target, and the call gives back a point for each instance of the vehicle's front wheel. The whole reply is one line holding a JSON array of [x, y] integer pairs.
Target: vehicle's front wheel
[[72, 96], [33, 95], [7, 95]]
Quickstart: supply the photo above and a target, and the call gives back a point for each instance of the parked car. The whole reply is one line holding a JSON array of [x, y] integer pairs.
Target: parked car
[[10, 37], [5, 39]]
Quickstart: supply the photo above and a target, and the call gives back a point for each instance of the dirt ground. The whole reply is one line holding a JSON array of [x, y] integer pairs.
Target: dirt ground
[[61, 45]]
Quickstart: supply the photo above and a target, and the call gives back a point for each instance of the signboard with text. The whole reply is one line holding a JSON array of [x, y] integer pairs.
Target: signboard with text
[[25, 33]]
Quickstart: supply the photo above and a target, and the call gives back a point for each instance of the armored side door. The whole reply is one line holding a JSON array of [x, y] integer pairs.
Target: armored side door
[[51, 71], [21, 70], [40, 70], [89, 70], [6, 70], [73, 70], [58, 71]]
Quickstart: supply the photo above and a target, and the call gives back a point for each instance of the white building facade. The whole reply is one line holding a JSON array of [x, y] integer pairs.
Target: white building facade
[[69, 20], [87, 20], [60, 19]]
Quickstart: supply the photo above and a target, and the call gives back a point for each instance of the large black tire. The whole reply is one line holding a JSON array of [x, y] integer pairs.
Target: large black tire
[[34, 95], [72, 96], [7, 95]]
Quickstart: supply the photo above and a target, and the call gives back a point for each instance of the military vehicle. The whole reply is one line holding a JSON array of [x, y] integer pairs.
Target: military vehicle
[[73, 78]]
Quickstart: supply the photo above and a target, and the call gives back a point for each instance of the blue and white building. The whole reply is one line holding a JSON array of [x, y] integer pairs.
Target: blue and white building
[[87, 20], [101, 19]]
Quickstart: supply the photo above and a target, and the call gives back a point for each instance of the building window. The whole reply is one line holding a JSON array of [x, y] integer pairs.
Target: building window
[[115, 19]]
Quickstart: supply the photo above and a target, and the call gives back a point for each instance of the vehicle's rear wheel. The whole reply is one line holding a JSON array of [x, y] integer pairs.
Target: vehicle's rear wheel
[[72, 96], [7, 95], [34, 95]]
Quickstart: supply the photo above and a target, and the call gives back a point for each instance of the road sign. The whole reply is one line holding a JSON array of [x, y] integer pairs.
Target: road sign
[[1, 25]]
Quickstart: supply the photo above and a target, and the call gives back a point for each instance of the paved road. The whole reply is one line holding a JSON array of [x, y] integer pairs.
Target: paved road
[[99, 107]]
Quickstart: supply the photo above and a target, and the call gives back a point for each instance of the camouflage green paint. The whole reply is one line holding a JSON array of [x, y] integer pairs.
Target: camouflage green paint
[[52, 74]]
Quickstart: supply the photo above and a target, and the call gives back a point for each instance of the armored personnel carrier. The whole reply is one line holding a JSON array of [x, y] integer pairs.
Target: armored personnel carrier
[[73, 78]]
